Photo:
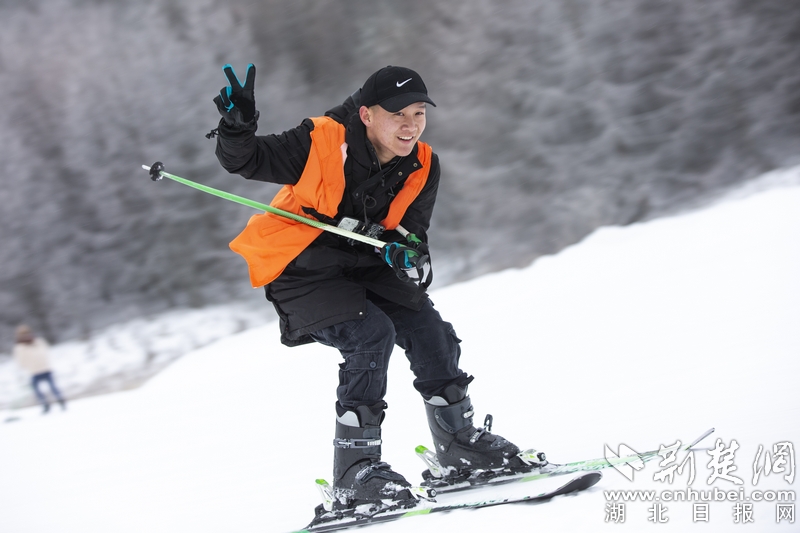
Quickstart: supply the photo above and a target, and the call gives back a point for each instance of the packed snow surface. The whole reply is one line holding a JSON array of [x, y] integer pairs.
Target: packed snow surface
[[642, 336]]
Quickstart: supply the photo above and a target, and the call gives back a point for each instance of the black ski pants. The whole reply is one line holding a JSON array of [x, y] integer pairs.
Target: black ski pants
[[430, 344]]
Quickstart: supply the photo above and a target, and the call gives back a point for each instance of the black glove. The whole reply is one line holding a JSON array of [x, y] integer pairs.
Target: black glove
[[417, 244], [410, 263], [399, 257], [236, 102]]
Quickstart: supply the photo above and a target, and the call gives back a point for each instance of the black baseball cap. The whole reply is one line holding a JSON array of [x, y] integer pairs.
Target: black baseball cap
[[394, 88]]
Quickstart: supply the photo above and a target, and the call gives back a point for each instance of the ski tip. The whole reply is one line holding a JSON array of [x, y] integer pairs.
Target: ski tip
[[321, 482], [591, 479], [420, 449], [700, 438], [581, 482]]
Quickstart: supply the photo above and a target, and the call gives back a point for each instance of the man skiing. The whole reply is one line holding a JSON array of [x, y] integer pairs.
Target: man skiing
[[361, 166]]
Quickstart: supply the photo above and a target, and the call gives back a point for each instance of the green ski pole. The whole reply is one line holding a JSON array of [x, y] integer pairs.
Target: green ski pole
[[157, 173]]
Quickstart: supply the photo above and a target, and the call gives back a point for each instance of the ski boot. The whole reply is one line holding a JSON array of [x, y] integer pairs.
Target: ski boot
[[465, 453], [361, 480]]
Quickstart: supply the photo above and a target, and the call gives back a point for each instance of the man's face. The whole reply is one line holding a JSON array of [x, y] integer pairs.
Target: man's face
[[393, 134]]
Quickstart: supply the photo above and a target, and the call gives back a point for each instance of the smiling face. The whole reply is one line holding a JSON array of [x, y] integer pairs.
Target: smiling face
[[393, 134]]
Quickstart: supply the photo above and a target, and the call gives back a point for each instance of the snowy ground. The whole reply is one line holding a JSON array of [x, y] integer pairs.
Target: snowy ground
[[640, 336]]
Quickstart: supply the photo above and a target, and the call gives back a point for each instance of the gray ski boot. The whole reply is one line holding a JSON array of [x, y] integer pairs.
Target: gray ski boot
[[359, 476], [464, 451]]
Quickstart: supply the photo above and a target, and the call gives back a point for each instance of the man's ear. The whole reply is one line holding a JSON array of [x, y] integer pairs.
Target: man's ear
[[365, 114]]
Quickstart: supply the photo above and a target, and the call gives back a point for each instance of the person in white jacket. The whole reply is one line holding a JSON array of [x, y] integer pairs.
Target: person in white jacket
[[31, 354]]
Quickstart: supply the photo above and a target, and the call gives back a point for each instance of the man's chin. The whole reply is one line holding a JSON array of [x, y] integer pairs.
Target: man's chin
[[404, 151]]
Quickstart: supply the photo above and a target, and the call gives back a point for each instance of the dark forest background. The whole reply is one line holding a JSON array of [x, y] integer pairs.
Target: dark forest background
[[553, 118]]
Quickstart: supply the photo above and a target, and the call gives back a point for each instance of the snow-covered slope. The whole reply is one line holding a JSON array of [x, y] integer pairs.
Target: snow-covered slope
[[640, 335]]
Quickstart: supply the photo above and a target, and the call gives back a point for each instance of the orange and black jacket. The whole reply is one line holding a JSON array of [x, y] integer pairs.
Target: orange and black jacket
[[317, 279]]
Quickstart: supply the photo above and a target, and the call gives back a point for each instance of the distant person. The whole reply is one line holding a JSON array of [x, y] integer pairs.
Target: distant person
[[31, 354], [363, 167]]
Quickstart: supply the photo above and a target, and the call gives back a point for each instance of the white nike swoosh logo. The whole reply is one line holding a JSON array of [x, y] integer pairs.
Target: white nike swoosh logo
[[401, 84]]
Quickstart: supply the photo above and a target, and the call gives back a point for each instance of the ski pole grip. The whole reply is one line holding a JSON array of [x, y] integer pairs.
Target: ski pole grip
[[155, 171]]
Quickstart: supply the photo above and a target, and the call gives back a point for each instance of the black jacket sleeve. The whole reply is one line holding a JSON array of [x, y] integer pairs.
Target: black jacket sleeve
[[277, 158]]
